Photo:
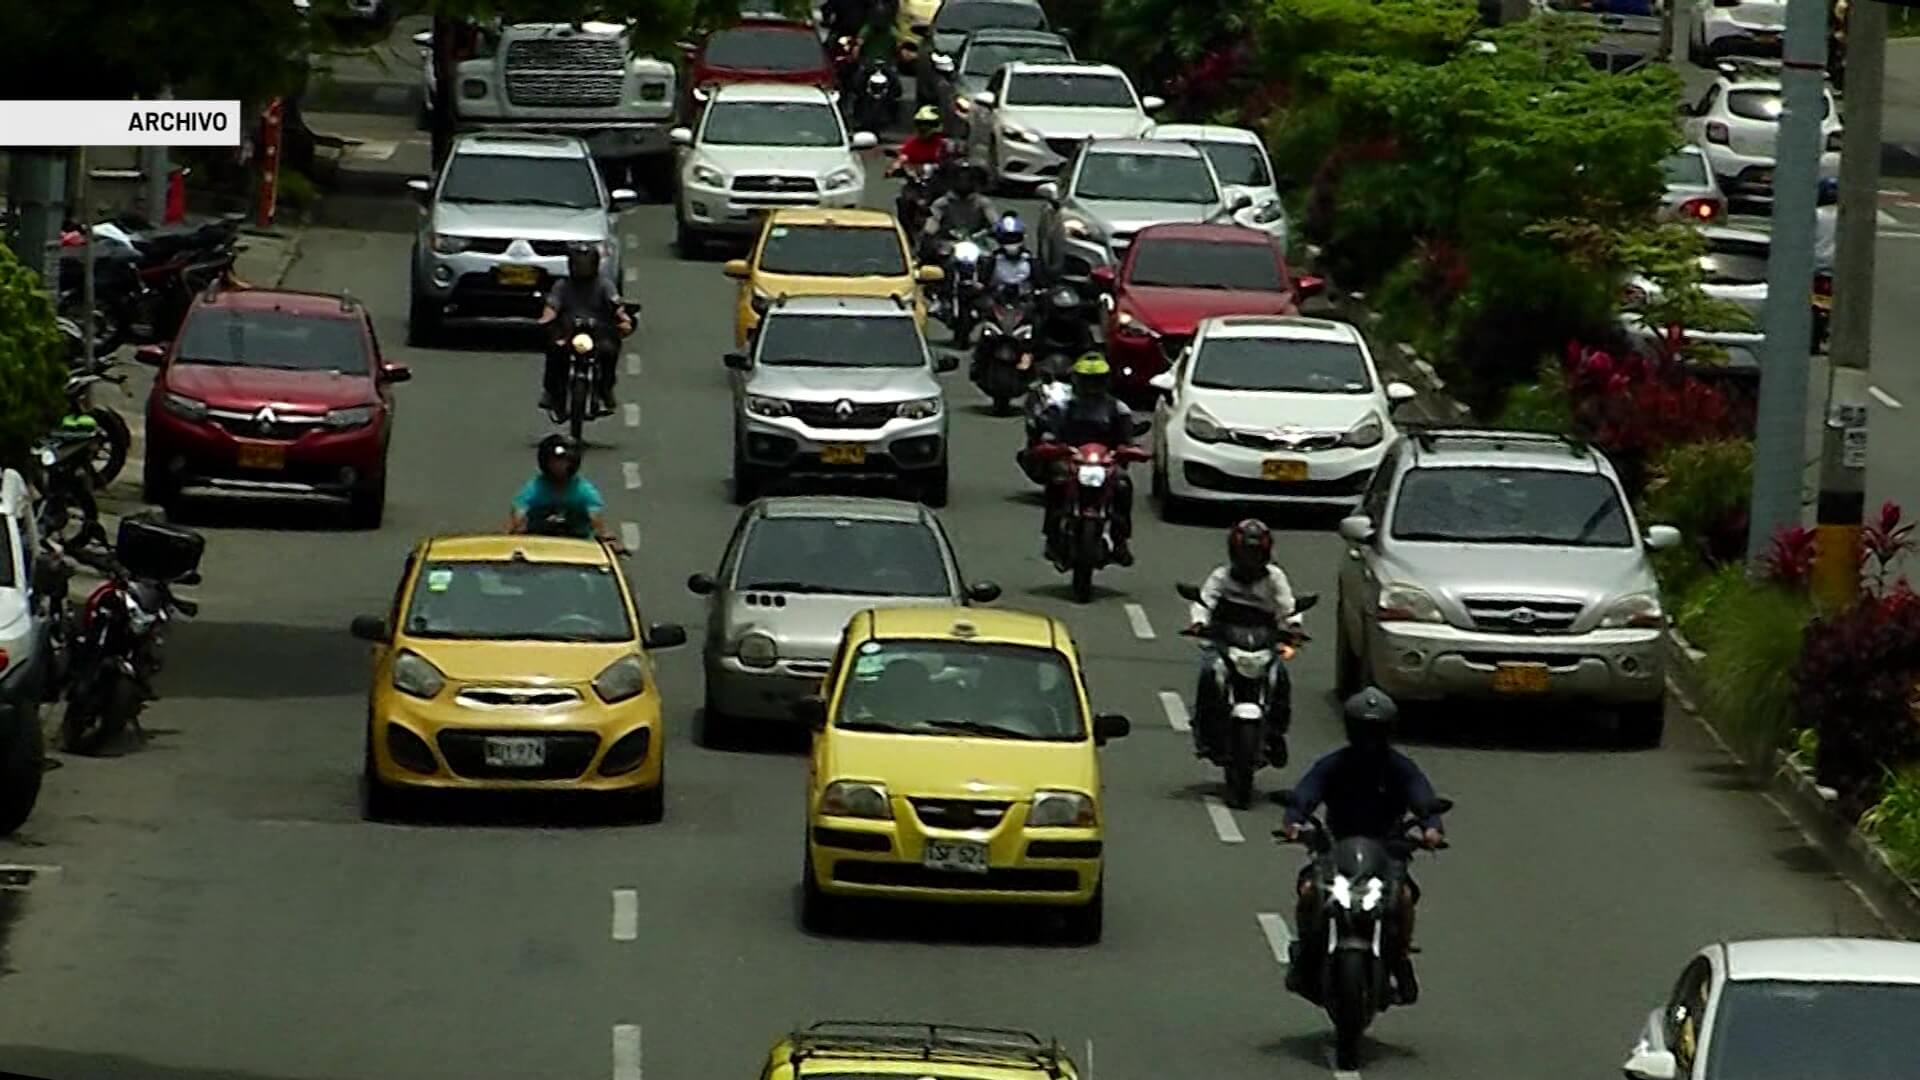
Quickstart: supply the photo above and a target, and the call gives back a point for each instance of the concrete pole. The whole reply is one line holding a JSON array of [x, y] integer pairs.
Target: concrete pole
[[38, 183], [85, 214], [154, 167], [1780, 437], [1843, 451]]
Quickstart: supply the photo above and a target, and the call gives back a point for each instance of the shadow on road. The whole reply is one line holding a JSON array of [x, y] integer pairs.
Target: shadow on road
[[256, 661], [45, 1063]]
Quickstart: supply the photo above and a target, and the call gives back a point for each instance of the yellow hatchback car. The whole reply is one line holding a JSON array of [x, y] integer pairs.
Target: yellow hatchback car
[[880, 1050], [518, 663], [811, 252], [954, 761]]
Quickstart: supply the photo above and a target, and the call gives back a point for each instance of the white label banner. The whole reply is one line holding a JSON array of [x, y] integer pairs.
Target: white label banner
[[119, 123]]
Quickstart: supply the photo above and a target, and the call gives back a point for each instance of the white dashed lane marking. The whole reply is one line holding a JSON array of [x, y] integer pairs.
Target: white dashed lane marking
[[630, 536], [626, 915], [1274, 927], [632, 414], [633, 363], [1176, 711], [1884, 398], [626, 1052], [1142, 628], [1227, 829], [630, 472]]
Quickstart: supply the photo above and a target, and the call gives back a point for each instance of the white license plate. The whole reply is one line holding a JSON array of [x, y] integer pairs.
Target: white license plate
[[511, 753], [959, 856]]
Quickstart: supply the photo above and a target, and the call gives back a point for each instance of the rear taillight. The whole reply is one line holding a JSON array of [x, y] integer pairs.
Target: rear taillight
[[4, 659], [1823, 284], [1701, 209], [1717, 133]]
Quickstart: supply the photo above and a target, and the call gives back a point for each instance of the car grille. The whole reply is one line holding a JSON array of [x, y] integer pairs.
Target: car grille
[[1523, 616], [959, 813], [842, 414], [572, 73], [568, 754], [549, 248], [776, 185], [516, 697], [998, 879], [808, 668], [263, 424], [487, 245], [1066, 148], [1262, 440]]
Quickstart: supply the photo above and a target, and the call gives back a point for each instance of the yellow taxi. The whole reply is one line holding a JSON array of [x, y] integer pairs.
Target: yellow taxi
[[514, 662], [810, 252], [875, 1050], [954, 761]]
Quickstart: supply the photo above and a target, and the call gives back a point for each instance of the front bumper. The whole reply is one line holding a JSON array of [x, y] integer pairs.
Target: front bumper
[[855, 857], [1428, 662], [711, 209], [792, 447], [318, 462], [740, 691], [468, 287], [1750, 176], [1025, 162], [440, 745], [1230, 473], [606, 140]]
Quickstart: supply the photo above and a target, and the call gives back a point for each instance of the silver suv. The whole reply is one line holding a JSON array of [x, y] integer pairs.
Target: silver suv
[[496, 226], [840, 388], [1498, 564]]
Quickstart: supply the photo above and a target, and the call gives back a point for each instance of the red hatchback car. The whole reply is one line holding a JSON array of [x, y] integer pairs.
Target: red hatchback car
[[1173, 276], [758, 49], [272, 392]]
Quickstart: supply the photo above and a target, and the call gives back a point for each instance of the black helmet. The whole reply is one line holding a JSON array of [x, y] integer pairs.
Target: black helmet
[[557, 447], [968, 179], [1370, 715], [583, 262], [1249, 550]]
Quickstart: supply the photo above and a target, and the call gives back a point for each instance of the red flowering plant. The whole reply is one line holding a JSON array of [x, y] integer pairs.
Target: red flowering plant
[[1635, 404], [1789, 559]]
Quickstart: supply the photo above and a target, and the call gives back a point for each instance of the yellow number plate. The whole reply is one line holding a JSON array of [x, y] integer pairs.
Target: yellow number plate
[[1283, 469], [1824, 303], [517, 275], [1520, 678], [843, 454], [259, 456]]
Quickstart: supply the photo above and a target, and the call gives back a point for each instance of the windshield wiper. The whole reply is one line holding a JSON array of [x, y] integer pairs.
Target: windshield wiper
[[1593, 521], [550, 202], [210, 361], [475, 200], [975, 727], [782, 586], [872, 725], [806, 361]]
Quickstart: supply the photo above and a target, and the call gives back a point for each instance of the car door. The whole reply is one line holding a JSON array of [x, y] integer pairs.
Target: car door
[[1168, 405], [1696, 125], [1359, 584], [720, 602], [981, 120], [1686, 1016]]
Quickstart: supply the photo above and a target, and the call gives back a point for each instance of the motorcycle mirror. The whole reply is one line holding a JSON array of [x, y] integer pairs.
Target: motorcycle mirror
[[192, 577], [370, 628], [701, 584], [1187, 592], [151, 355], [1141, 425], [983, 592], [737, 361], [1305, 602], [946, 362]]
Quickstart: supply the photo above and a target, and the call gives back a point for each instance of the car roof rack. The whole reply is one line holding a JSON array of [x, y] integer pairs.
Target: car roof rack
[[913, 1041], [1443, 437]]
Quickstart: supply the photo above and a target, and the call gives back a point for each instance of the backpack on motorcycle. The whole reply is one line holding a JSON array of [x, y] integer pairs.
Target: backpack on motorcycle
[[152, 548]]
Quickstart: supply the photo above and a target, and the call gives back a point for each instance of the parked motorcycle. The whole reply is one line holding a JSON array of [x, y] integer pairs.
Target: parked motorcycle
[[115, 437], [1247, 709], [1003, 355], [62, 476], [1351, 979], [145, 278], [1088, 514]]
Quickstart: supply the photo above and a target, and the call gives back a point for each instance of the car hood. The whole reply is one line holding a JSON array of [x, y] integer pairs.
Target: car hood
[[1308, 413], [787, 160], [851, 384], [1759, 15], [815, 285], [961, 767], [1127, 216], [1452, 572], [1178, 311], [518, 663], [252, 388], [710, 75], [528, 222], [1078, 123], [968, 85], [809, 626]]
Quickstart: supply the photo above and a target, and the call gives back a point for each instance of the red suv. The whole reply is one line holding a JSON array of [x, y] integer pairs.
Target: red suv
[[758, 50], [274, 392]]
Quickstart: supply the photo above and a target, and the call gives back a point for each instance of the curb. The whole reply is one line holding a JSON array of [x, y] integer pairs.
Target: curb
[[1857, 858]]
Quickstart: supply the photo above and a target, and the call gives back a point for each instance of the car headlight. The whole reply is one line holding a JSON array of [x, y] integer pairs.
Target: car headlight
[[768, 406], [1405, 603], [757, 650], [919, 409], [1015, 134], [184, 407], [1639, 610], [842, 178], [450, 245], [1202, 427], [342, 419], [1367, 432], [624, 678], [414, 676], [708, 176], [1076, 227], [856, 799], [1061, 809]]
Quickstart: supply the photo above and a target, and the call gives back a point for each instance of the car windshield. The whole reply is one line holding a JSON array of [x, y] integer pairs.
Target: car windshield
[[1145, 178], [1238, 163], [230, 337], [520, 181], [764, 49], [1686, 170], [772, 123], [841, 341], [843, 557], [960, 18], [833, 251], [985, 57], [1735, 262], [1069, 90], [1205, 264], [1280, 365], [1761, 105], [1490, 505], [955, 688], [1767, 1030], [518, 601]]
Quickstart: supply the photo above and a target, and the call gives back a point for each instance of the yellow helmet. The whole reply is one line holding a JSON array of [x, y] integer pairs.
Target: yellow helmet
[[927, 115], [1091, 365]]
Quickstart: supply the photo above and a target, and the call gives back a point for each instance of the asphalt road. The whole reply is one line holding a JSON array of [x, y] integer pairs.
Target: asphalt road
[[215, 909]]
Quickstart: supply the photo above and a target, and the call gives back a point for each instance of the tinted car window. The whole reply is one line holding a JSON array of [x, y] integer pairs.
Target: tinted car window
[[1814, 1031], [947, 688], [843, 556], [1761, 105], [1067, 91], [771, 123], [1686, 170], [984, 15], [840, 341], [1272, 364], [1510, 506], [1205, 264], [1145, 178], [227, 337], [984, 58], [1237, 163], [763, 49], [536, 181], [834, 251], [503, 601]]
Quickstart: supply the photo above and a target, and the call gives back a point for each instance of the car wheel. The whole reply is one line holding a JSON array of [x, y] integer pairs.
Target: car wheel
[[819, 912], [368, 505], [746, 479], [648, 805], [655, 175], [1644, 725], [1085, 925], [22, 767], [933, 490], [423, 323], [379, 801], [718, 731]]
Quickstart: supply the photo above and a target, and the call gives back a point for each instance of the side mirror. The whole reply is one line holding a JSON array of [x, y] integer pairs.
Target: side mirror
[[983, 592], [423, 39], [927, 275], [811, 711], [1163, 382], [420, 186], [1399, 393], [395, 373], [1240, 201], [1103, 278], [737, 269], [1662, 537], [946, 362], [371, 628], [1305, 602], [1048, 192], [865, 140], [1357, 529], [1649, 1064], [190, 578], [737, 361], [1110, 726], [666, 636], [1151, 103], [1437, 807], [921, 29], [1307, 285], [984, 99], [624, 199], [681, 136], [1188, 592], [701, 584], [151, 355]]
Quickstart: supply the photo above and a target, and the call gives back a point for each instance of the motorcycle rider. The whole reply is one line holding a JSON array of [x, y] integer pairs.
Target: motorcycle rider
[[1249, 577], [927, 145], [583, 292], [1368, 788], [1090, 414], [963, 210], [558, 494], [1009, 264]]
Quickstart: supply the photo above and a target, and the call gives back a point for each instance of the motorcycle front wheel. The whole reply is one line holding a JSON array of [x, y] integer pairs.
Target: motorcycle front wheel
[[1086, 556], [1348, 1006], [1242, 759], [109, 453], [84, 723], [577, 396]]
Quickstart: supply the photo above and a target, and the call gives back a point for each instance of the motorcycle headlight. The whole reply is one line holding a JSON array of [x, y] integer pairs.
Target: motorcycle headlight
[[414, 676], [856, 799], [1093, 476], [1341, 892], [877, 79], [1250, 663], [450, 245], [1367, 432], [49, 456], [623, 679], [768, 406], [966, 253], [342, 419], [920, 409], [757, 650], [1639, 610], [1202, 427], [1406, 603], [843, 178], [1061, 810], [184, 407], [708, 176], [1015, 134]]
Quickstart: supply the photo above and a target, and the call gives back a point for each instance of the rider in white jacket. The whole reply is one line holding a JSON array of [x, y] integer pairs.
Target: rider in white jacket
[[1249, 577]]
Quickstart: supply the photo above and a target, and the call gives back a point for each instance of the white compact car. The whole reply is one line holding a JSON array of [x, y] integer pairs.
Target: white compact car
[[1263, 408], [1032, 117], [1240, 160], [1723, 28], [1734, 267], [1737, 123]]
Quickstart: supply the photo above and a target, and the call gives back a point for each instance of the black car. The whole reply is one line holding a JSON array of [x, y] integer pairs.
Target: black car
[[950, 27]]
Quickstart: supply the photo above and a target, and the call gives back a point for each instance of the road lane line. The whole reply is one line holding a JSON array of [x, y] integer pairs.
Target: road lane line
[[632, 411], [630, 471], [1339, 1073], [1227, 829], [1137, 615], [1278, 936], [633, 363], [630, 536], [1888, 219], [626, 915], [1884, 398], [1176, 711], [626, 1052]]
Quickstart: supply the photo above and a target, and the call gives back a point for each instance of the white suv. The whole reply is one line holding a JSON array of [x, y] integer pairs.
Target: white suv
[[760, 147], [1737, 124]]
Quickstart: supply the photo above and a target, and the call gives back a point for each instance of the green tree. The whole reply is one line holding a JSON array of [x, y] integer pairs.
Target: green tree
[[32, 361]]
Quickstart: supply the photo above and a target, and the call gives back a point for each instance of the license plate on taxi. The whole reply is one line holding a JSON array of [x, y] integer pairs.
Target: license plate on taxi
[[263, 456], [1520, 678], [843, 454], [517, 275], [1287, 469], [957, 856], [515, 753]]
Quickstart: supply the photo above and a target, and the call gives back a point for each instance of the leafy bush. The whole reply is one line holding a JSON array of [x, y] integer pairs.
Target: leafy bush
[[1697, 611], [1756, 635], [1702, 489], [1636, 405], [1540, 405], [1895, 821], [1856, 681], [32, 361]]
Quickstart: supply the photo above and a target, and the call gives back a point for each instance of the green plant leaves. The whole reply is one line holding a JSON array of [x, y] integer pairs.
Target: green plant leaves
[[32, 361]]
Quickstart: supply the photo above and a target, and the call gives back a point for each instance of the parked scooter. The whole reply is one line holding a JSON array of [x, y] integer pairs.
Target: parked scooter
[[1246, 710], [1084, 522]]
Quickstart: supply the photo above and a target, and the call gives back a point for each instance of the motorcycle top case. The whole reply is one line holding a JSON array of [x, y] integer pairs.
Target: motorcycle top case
[[154, 549]]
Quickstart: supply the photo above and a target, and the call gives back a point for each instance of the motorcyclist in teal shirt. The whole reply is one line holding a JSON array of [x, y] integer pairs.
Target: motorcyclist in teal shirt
[[558, 501]]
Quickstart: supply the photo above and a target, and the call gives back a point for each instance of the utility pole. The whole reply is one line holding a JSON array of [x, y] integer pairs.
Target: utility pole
[[85, 213], [1780, 435], [154, 170], [37, 180], [1843, 451]]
